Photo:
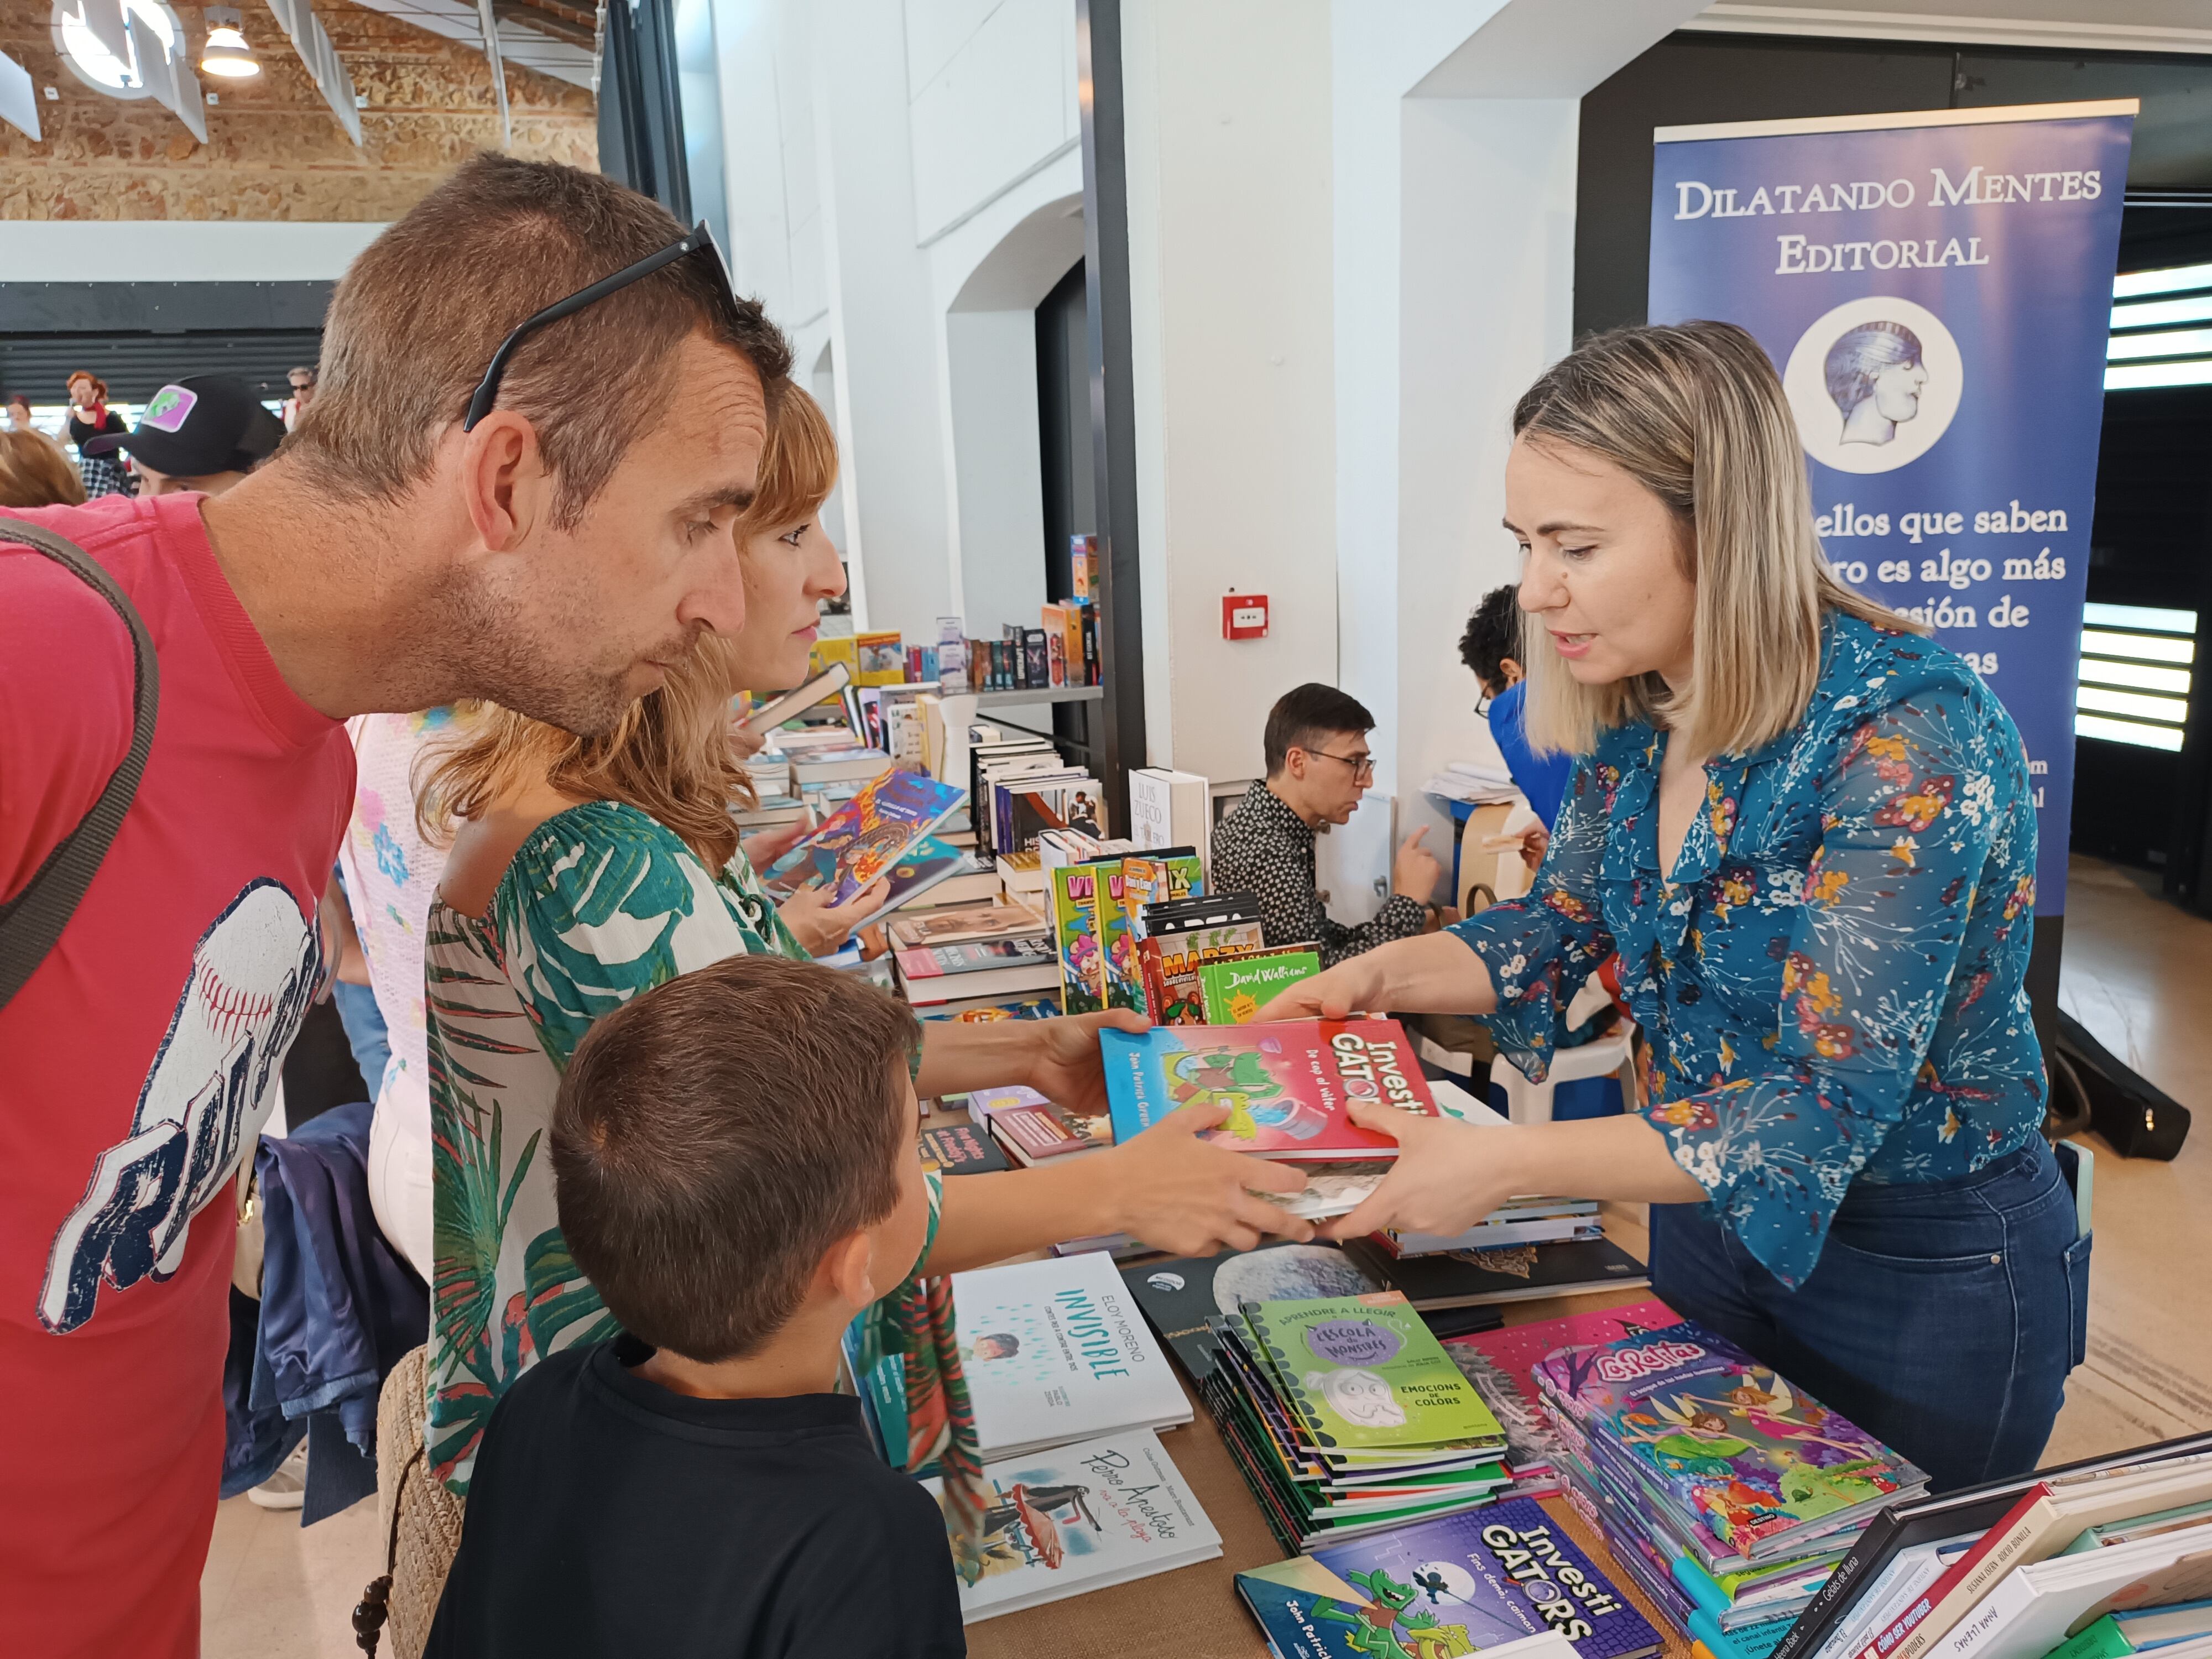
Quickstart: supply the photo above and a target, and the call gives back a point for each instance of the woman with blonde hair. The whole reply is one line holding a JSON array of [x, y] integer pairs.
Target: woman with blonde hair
[[587, 870], [1810, 833]]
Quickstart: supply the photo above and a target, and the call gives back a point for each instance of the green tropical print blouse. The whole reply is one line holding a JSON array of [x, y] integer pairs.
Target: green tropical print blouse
[[600, 905]]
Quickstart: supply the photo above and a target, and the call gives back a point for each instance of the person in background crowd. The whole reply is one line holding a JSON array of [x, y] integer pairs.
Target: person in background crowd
[[1491, 647], [1809, 833], [33, 473], [1319, 766], [543, 558], [303, 393], [203, 434], [19, 413], [89, 417]]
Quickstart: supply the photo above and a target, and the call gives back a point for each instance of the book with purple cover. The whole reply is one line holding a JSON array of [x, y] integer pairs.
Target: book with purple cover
[[1500, 1573], [1743, 1467]]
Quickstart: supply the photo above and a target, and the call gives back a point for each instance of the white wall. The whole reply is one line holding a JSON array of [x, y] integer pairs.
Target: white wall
[[1230, 227], [181, 250]]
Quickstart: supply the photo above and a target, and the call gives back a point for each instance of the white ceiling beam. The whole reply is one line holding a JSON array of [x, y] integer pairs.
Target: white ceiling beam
[[313, 42], [1850, 23]]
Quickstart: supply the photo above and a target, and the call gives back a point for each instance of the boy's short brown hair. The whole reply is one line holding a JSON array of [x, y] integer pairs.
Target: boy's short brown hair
[[714, 1137], [414, 324]]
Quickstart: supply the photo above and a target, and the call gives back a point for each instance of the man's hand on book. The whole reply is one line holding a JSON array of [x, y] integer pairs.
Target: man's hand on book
[[1177, 1192]]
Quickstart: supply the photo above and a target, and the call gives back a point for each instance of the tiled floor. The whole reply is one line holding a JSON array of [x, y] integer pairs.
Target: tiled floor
[[2138, 973]]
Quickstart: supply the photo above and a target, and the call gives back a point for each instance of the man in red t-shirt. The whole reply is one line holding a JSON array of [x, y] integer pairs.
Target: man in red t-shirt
[[394, 556]]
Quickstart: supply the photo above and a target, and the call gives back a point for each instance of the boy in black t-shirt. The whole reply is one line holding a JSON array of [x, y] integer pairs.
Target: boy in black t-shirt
[[734, 1155]]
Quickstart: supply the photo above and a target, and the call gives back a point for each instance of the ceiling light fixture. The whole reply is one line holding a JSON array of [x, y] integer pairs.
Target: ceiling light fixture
[[226, 53]]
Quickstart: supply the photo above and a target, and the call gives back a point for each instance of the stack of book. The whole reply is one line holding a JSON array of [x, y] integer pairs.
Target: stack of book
[[1505, 1582], [1345, 1417], [1097, 893], [1068, 1392], [2092, 1560], [1032, 1130], [1498, 1363], [946, 986], [1728, 1496]]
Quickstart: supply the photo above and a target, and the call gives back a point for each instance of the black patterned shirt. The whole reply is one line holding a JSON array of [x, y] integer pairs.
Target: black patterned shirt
[[1265, 849]]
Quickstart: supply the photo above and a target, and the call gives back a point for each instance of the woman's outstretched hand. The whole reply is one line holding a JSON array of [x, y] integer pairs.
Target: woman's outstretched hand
[[1351, 987], [1445, 1180]]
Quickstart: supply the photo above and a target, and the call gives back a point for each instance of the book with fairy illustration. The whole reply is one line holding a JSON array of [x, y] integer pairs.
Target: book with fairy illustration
[[1363, 1370], [1742, 1466], [1078, 1518], [1287, 1085], [866, 836]]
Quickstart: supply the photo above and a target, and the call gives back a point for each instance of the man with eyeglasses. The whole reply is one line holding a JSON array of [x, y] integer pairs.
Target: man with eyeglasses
[[1319, 766], [453, 516]]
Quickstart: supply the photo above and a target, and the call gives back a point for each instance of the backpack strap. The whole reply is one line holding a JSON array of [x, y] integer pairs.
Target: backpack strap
[[32, 921]]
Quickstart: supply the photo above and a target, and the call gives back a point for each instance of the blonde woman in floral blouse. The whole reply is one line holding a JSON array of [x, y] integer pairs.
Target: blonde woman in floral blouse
[[1810, 834], [587, 870]]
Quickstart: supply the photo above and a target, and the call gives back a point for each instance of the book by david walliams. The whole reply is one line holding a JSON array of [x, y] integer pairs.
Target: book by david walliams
[[1287, 1085]]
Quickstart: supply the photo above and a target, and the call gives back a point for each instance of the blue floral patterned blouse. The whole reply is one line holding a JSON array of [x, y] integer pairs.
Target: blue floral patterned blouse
[[1833, 982]]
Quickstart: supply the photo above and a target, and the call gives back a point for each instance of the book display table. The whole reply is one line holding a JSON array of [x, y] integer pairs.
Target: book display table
[[1195, 1612]]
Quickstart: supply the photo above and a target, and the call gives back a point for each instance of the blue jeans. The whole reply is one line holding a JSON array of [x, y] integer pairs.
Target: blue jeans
[[1942, 1317], [365, 1034]]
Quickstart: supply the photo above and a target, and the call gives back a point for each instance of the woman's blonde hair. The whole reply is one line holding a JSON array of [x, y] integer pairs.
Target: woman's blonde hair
[[1695, 413], [798, 468], [668, 757], [33, 473]]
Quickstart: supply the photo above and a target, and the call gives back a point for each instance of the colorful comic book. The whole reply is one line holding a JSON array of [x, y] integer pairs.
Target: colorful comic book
[[1074, 902], [1363, 1370], [1234, 988], [1121, 983], [866, 836], [1308, 1611], [1498, 1363], [1287, 1085], [1742, 1466], [1500, 1573]]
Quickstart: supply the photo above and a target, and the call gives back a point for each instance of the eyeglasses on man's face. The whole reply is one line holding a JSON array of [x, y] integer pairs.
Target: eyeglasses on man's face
[[1362, 766], [698, 239]]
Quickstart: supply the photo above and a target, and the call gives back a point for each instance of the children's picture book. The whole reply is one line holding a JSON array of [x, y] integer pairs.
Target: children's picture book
[[960, 1149], [1307, 1612], [928, 866], [1121, 983], [1500, 1574], [1742, 1465], [973, 1011], [1179, 1297], [1078, 1518], [1365, 1370], [882, 659], [964, 924], [1074, 893], [1497, 1363], [881, 825], [1181, 934], [1056, 1351], [1287, 1085], [978, 956], [1234, 989]]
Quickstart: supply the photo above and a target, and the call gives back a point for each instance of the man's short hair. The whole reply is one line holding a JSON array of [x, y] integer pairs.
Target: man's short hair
[[1305, 717], [414, 324], [714, 1137], [1493, 633]]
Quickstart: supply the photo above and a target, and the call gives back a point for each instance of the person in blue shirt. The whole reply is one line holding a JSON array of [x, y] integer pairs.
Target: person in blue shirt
[[1491, 648], [1809, 832]]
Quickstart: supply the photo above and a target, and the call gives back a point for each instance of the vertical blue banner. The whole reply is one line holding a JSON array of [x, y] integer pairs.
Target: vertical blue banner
[[1937, 291]]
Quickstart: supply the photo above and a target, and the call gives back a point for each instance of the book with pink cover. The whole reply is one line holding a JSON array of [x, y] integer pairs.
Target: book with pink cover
[[1288, 1086], [1497, 1363]]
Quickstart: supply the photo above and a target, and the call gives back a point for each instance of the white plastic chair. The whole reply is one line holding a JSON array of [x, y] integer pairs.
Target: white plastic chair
[[1614, 1053]]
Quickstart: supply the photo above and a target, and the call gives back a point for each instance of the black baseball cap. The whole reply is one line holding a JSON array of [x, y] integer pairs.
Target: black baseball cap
[[189, 428]]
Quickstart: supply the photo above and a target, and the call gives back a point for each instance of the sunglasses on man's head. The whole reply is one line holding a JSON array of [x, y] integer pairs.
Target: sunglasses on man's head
[[697, 240]]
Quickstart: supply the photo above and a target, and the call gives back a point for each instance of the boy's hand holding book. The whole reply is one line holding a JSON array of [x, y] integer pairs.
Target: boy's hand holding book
[[1187, 1196]]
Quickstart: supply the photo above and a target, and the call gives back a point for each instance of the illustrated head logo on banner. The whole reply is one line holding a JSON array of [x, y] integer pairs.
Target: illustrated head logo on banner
[[1936, 291]]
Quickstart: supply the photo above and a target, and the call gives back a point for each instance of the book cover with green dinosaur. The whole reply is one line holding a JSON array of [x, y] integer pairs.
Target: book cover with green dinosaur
[[1365, 1370]]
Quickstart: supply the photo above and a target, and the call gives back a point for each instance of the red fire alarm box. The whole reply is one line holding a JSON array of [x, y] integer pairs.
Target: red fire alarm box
[[1243, 616]]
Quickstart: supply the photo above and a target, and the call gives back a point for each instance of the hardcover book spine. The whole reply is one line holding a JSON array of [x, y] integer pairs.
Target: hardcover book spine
[[1953, 1595], [1090, 674], [1829, 1600]]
